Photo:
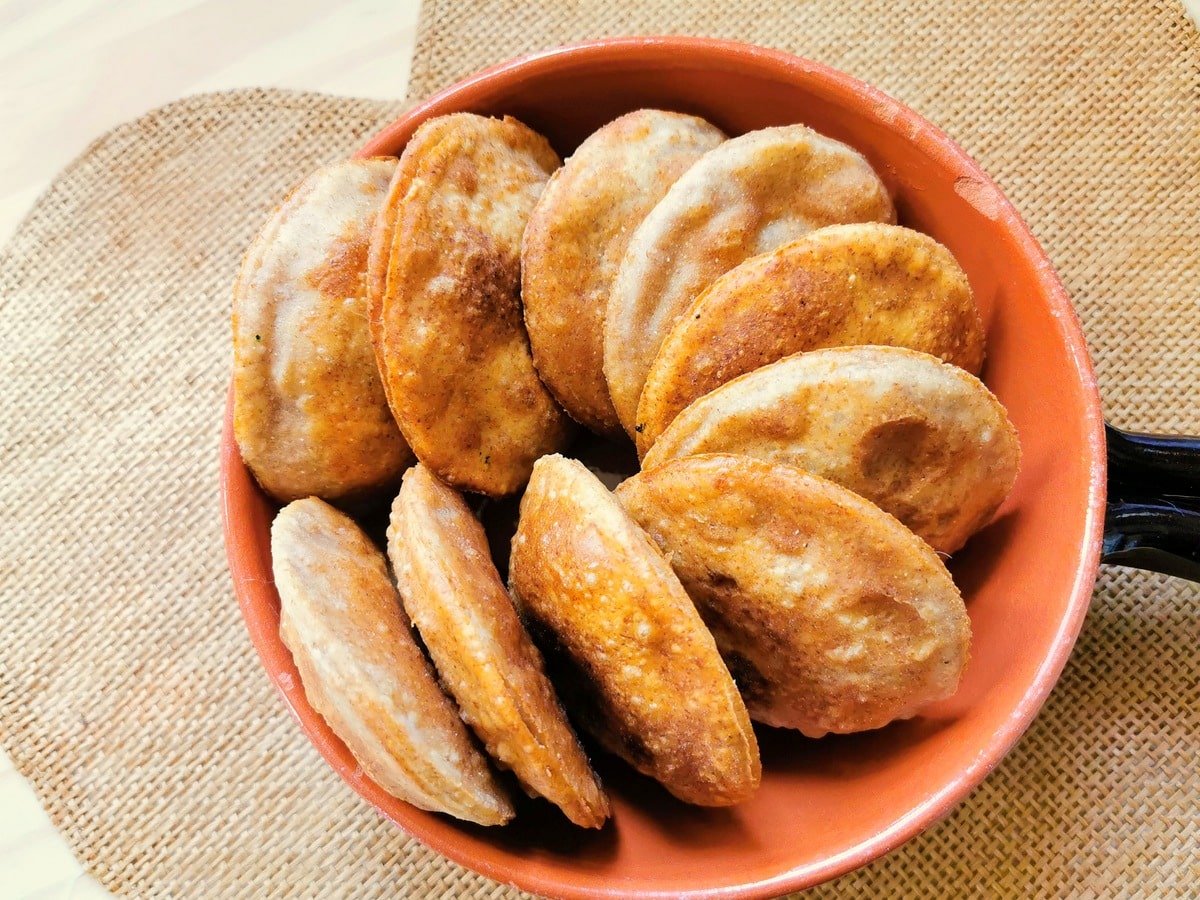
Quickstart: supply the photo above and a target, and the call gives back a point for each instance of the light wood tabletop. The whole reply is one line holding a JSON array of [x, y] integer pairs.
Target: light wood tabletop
[[72, 69]]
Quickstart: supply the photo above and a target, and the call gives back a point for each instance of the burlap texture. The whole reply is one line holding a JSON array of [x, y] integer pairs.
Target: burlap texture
[[129, 693]]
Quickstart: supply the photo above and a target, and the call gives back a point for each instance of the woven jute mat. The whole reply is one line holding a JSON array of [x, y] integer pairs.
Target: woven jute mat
[[129, 693]]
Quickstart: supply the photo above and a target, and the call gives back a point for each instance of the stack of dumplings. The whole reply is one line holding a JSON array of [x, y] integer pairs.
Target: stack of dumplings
[[797, 373]]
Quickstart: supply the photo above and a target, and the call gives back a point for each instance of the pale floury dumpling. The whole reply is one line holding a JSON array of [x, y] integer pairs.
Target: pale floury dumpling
[[340, 616]]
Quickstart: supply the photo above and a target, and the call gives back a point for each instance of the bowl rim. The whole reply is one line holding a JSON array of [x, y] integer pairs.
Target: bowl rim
[[931, 141]]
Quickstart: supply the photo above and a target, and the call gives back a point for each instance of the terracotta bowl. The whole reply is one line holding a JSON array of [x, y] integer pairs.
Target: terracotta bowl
[[827, 806]]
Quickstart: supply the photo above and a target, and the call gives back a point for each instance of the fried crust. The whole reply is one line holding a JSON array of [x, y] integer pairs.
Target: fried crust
[[575, 239], [922, 439], [645, 675], [309, 412], [483, 655], [832, 616], [447, 327], [861, 283], [363, 672], [745, 197]]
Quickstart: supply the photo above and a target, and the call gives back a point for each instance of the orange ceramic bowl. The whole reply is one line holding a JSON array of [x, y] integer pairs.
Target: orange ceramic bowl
[[826, 806]]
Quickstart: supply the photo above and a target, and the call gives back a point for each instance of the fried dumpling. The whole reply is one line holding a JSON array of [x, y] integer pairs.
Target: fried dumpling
[[745, 197], [309, 412], [862, 283], [445, 310], [832, 616], [922, 439], [453, 593], [575, 239], [363, 672], [625, 642]]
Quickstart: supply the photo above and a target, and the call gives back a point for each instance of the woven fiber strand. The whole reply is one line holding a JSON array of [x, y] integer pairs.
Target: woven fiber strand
[[129, 693]]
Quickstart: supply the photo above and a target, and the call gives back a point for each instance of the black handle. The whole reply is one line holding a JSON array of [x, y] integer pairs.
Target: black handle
[[1152, 519]]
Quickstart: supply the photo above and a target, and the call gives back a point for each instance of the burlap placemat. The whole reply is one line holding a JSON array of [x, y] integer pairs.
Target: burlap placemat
[[129, 693]]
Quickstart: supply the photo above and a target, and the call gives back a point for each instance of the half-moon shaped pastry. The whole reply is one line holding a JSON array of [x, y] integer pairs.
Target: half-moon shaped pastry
[[642, 672], [363, 672], [922, 439], [447, 328], [864, 283], [832, 616], [453, 593], [575, 239], [309, 412], [747, 196]]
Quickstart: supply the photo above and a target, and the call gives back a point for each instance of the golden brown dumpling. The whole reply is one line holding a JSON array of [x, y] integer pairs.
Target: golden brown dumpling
[[309, 413], [922, 439], [575, 240], [641, 670], [447, 326], [745, 197], [832, 616], [863, 283], [453, 593]]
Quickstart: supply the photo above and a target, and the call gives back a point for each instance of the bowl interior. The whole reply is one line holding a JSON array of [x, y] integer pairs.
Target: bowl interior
[[825, 806]]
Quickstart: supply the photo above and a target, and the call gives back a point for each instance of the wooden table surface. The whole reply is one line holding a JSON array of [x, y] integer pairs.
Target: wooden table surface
[[70, 70]]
